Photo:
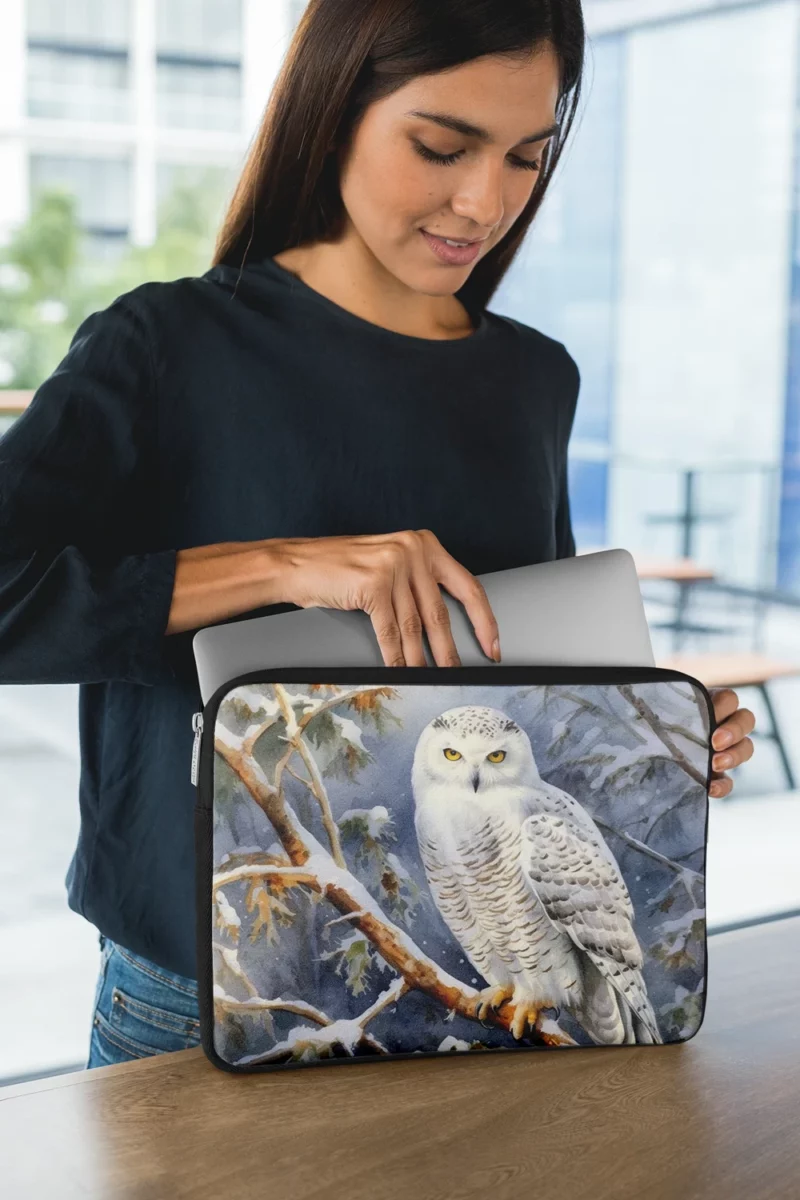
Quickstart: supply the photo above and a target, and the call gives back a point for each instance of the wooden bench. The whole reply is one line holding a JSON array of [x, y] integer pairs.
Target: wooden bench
[[740, 670], [12, 403]]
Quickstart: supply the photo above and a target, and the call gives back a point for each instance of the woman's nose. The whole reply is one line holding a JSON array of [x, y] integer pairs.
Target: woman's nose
[[480, 198]]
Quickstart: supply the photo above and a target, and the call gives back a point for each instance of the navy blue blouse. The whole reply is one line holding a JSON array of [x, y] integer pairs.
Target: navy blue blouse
[[236, 406]]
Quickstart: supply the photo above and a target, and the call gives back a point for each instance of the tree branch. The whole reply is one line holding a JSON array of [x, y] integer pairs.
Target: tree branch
[[387, 998], [300, 1008], [295, 737], [231, 960], [340, 698], [590, 706], [259, 1004], [647, 715], [644, 849], [290, 876]]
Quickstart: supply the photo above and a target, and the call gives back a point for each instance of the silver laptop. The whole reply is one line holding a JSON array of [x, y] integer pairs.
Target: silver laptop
[[579, 611]]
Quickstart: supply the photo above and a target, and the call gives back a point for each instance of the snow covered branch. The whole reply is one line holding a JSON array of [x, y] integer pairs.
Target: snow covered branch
[[687, 872], [294, 732], [289, 876], [646, 713]]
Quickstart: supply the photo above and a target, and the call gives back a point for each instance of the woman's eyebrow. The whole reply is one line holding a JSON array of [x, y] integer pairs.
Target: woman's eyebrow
[[470, 130]]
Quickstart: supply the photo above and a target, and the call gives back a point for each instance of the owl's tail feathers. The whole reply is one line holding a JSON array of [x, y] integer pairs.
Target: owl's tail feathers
[[611, 1018]]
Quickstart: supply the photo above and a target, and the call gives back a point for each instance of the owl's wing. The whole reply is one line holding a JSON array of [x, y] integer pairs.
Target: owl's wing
[[585, 896]]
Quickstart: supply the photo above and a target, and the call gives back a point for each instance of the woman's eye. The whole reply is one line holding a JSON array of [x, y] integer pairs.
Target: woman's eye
[[447, 160]]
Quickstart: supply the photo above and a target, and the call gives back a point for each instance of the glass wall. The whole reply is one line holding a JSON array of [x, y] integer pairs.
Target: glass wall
[[198, 69], [78, 60], [661, 259], [565, 281]]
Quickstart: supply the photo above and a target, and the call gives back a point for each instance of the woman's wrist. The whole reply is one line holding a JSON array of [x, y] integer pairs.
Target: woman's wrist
[[226, 579]]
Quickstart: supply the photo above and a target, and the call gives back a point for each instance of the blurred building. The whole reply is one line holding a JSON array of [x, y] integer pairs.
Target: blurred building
[[119, 99], [666, 258]]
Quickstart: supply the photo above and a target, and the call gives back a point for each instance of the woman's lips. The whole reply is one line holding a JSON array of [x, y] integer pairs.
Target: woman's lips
[[454, 256]]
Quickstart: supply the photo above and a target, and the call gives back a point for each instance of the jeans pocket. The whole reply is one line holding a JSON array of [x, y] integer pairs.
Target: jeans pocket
[[142, 1009], [150, 1028]]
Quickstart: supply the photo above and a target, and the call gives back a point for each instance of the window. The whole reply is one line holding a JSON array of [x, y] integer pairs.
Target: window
[[99, 22], [78, 65], [81, 87], [199, 64], [202, 28], [101, 187], [198, 95]]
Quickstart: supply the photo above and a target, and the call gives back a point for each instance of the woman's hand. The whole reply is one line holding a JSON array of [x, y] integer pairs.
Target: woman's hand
[[394, 578], [730, 739]]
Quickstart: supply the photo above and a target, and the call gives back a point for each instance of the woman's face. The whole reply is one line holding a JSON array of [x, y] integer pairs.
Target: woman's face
[[393, 188]]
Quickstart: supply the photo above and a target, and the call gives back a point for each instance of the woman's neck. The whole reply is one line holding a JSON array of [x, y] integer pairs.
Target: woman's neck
[[352, 278]]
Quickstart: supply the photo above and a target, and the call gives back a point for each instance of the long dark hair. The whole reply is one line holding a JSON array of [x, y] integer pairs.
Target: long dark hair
[[345, 55]]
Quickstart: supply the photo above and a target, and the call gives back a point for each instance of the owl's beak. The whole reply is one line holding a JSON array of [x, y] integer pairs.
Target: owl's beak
[[475, 779]]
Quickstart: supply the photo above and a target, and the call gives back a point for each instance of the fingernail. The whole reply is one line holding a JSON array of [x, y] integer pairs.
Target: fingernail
[[721, 761], [723, 738], [496, 650]]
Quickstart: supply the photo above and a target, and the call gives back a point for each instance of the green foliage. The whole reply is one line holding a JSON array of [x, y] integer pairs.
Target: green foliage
[[51, 280], [352, 959], [343, 751], [367, 835]]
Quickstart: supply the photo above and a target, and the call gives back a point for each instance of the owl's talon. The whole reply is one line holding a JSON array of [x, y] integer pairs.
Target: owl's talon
[[526, 1014], [490, 999]]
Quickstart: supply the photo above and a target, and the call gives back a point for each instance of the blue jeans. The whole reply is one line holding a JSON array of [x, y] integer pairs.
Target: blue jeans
[[140, 1009]]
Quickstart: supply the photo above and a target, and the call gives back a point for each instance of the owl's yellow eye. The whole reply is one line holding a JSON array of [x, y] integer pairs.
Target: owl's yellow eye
[[496, 756], [452, 755]]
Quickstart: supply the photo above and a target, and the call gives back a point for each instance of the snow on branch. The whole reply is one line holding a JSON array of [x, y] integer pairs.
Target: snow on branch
[[686, 872], [318, 790], [289, 876], [661, 730]]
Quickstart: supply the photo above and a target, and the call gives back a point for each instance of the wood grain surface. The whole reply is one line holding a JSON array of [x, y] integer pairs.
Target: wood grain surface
[[717, 1117]]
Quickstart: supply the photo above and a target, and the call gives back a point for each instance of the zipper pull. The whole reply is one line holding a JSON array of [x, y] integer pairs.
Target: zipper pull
[[197, 726]]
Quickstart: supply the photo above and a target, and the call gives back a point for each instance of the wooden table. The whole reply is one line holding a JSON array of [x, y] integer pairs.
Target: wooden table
[[713, 1119], [14, 403]]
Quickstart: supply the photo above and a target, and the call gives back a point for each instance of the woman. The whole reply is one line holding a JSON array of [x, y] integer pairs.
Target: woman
[[328, 417]]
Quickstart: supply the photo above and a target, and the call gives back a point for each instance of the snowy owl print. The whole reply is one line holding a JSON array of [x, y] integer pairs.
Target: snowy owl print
[[404, 868], [525, 880]]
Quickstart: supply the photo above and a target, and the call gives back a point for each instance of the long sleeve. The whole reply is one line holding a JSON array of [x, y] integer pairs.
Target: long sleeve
[[565, 540], [78, 487]]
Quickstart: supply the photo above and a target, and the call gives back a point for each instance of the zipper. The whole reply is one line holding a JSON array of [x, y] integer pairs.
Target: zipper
[[197, 726]]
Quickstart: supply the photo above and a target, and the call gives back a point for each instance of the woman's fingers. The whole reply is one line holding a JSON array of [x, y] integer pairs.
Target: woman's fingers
[[725, 759], [467, 588], [381, 613], [733, 729], [409, 622]]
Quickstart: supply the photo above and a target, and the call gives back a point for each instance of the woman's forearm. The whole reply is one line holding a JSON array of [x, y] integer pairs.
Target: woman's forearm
[[222, 580]]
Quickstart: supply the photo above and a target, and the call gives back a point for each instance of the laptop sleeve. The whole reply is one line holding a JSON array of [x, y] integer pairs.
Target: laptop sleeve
[[412, 860]]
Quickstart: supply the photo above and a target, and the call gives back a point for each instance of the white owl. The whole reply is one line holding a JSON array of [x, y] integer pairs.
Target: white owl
[[525, 881]]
